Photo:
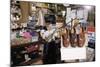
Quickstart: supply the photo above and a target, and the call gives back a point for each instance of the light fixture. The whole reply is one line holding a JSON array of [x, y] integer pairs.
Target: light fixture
[[66, 5], [87, 7], [63, 13]]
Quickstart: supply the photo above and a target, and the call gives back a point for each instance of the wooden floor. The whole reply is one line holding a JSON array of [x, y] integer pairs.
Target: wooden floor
[[37, 61]]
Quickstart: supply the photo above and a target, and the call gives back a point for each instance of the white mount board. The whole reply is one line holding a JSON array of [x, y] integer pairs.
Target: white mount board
[[74, 53]]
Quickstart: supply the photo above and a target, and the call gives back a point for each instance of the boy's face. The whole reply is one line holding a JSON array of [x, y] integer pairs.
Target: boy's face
[[59, 25], [48, 25]]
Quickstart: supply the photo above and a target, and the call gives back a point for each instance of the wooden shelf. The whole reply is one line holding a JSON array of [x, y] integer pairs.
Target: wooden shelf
[[24, 44], [19, 28]]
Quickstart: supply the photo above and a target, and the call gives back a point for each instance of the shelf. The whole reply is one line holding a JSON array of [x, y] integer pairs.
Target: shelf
[[19, 28], [25, 44]]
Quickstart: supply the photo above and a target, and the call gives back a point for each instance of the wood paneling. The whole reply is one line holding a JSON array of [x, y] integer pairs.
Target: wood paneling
[[25, 10]]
